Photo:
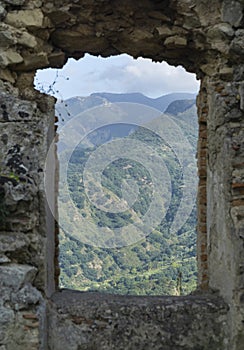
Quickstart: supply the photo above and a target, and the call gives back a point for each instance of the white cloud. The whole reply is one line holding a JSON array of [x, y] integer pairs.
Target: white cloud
[[120, 74], [153, 79]]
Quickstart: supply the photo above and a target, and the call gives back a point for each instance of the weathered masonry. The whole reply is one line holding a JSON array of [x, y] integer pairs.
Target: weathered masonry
[[207, 38]]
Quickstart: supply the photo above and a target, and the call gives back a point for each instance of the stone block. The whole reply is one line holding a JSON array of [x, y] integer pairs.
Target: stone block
[[6, 319], [4, 259], [31, 62], [96, 321], [25, 297], [25, 18], [15, 2], [220, 31], [6, 36], [56, 59], [9, 57], [13, 109], [10, 241], [164, 31], [15, 276], [226, 73], [2, 11], [232, 12], [10, 35], [6, 75], [26, 39], [175, 41], [237, 44]]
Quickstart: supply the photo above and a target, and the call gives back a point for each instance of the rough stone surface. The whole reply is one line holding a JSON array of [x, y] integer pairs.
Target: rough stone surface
[[94, 321], [207, 38]]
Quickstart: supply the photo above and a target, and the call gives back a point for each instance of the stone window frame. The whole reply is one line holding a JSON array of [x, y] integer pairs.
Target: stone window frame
[[208, 43]]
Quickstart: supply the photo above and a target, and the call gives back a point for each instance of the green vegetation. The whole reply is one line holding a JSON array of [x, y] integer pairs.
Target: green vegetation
[[161, 263]]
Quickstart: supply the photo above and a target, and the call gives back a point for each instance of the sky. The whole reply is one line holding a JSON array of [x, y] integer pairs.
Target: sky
[[117, 74]]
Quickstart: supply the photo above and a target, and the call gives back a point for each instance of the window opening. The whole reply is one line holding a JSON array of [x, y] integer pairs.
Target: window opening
[[136, 123]]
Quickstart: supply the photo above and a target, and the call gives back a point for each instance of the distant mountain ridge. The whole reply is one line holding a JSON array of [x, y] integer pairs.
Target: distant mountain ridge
[[69, 108], [179, 106], [160, 103]]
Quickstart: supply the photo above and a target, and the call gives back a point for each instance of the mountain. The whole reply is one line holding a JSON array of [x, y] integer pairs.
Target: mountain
[[160, 103], [69, 108], [160, 263], [179, 106]]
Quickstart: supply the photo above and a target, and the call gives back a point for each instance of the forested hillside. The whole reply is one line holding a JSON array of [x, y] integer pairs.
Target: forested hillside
[[162, 262]]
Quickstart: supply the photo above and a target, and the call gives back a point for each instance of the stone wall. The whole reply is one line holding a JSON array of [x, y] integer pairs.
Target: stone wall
[[206, 38], [94, 321]]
